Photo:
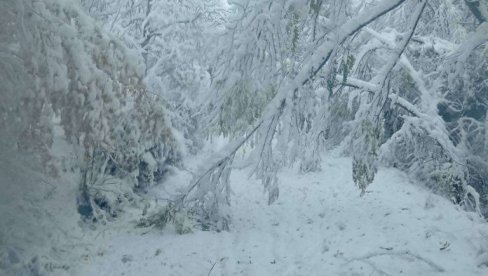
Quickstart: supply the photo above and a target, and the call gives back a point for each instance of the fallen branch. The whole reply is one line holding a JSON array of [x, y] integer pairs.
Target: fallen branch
[[399, 254]]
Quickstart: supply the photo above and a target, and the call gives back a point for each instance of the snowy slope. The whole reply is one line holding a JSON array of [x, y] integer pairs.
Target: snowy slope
[[318, 226]]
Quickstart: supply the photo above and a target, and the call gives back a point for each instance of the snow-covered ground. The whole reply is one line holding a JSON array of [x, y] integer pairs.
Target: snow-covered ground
[[318, 226]]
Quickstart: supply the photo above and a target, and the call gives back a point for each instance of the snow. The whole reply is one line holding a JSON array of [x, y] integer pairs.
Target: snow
[[318, 226], [77, 80], [149, 159]]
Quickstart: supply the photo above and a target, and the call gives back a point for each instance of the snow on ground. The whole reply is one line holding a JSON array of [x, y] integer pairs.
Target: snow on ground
[[318, 226]]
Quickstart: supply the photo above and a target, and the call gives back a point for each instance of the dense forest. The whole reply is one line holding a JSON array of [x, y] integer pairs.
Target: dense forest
[[179, 126]]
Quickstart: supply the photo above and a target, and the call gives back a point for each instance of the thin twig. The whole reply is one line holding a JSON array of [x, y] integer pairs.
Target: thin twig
[[211, 268]]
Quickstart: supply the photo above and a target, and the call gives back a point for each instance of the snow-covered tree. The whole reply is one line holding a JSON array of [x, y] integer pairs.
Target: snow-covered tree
[[365, 75], [174, 38], [66, 81]]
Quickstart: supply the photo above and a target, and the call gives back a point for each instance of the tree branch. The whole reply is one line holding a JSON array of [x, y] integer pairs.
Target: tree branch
[[474, 7], [313, 65], [380, 95]]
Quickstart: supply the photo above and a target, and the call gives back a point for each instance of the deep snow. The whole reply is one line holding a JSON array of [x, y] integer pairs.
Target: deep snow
[[318, 226]]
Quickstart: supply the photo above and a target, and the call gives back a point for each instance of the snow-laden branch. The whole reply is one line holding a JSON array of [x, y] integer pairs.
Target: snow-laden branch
[[357, 83], [372, 88], [272, 113], [376, 86], [321, 56], [428, 103], [474, 40], [218, 161], [381, 78], [159, 33]]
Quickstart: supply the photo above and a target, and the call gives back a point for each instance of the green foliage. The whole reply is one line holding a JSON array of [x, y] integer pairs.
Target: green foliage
[[346, 67], [181, 219], [293, 28], [364, 163], [296, 33], [242, 106], [331, 79], [371, 135], [331, 82], [341, 110], [315, 6], [363, 174], [407, 86], [449, 184]]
